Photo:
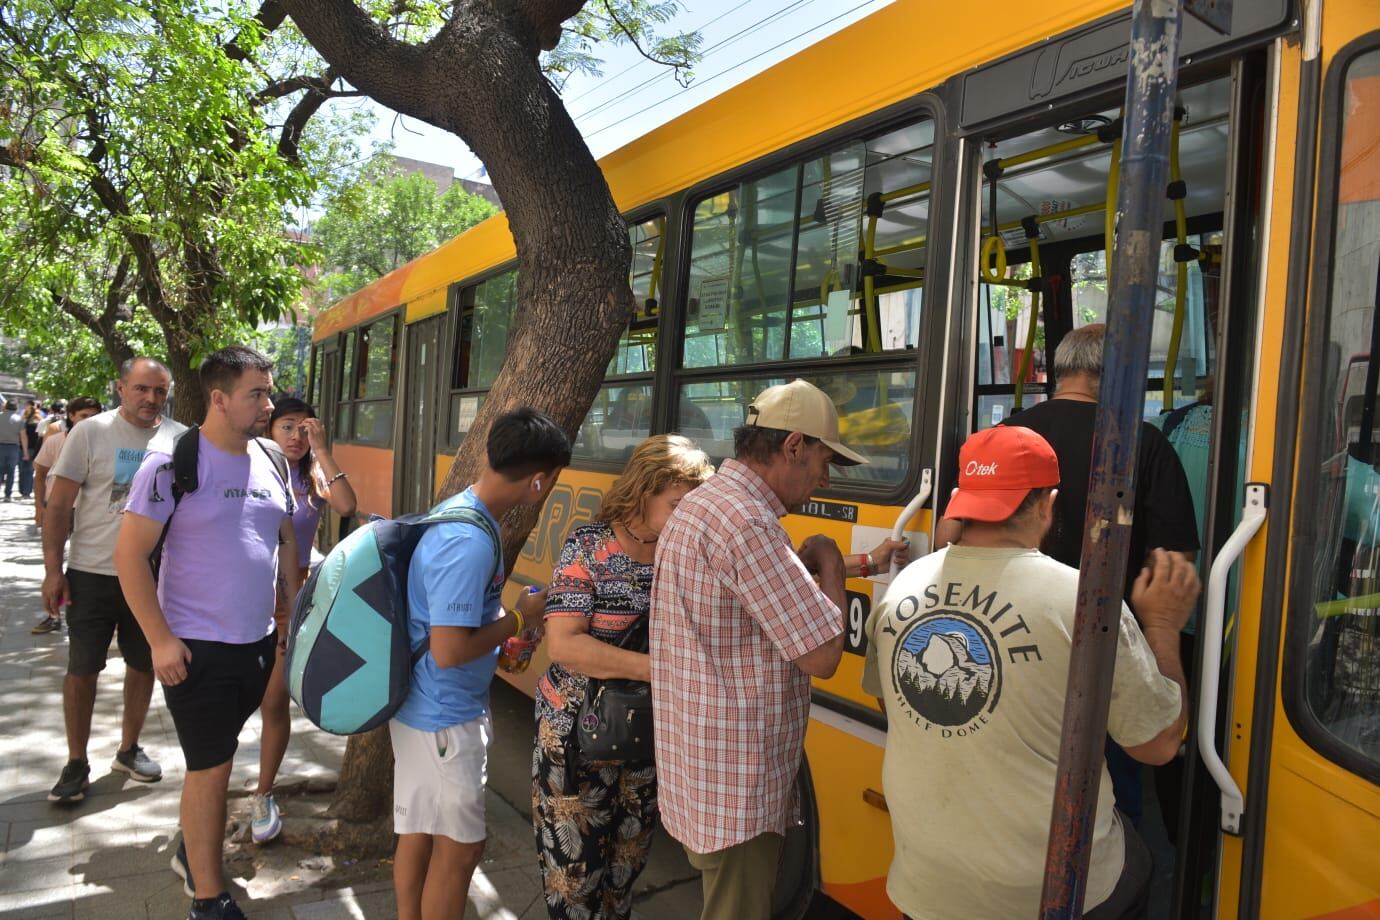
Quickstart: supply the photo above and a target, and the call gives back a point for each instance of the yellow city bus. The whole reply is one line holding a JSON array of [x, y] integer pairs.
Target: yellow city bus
[[910, 214]]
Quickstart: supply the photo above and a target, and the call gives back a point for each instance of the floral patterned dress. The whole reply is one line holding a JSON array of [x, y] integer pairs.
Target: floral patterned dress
[[593, 821]]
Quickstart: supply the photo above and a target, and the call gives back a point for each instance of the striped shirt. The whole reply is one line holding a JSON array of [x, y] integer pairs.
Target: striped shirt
[[732, 608]]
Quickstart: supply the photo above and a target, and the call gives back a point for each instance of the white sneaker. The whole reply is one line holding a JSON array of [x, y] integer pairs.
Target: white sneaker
[[267, 822]]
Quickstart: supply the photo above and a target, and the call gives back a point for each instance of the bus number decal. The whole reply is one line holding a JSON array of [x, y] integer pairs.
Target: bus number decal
[[563, 511], [830, 511], [855, 638]]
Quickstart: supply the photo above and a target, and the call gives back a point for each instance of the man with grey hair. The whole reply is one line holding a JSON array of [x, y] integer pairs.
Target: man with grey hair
[[1164, 516]]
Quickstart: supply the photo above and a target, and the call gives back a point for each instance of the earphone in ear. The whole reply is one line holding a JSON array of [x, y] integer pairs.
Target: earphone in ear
[[536, 484]]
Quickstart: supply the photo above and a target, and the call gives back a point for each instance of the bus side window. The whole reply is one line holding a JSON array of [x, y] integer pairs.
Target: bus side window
[[1341, 661]]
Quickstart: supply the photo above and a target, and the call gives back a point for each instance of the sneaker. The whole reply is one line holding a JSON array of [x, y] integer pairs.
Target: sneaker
[[218, 908], [184, 870], [72, 785], [137, 765], [46, 625], [268, 822]]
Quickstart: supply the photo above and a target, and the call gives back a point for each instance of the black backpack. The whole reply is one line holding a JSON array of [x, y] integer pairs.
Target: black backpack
[[186, 450]]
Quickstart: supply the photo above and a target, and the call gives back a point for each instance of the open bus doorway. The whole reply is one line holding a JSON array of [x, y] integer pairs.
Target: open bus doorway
[[1041, 271]]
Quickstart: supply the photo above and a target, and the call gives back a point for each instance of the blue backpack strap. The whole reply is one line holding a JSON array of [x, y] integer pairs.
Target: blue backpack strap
[[475, 518]]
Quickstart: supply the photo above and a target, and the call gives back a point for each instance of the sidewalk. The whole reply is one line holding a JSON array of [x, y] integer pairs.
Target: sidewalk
[[107, 857]]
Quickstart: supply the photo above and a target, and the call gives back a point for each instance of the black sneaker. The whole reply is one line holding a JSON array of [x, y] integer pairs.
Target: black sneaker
[[46, 625], [72, 785], [222, 907], [184, 871]]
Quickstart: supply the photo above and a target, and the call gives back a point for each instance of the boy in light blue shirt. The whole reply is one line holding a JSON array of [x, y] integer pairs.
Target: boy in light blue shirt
[[441, 733]]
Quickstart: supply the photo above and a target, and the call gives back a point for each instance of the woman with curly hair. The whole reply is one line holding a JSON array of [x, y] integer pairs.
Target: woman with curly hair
[[594, 819]]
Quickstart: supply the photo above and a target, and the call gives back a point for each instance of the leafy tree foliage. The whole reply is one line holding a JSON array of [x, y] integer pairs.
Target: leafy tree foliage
[[151, 154], [385, 219]]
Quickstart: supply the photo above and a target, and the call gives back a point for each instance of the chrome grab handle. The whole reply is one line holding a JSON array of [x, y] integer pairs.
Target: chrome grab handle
[[1253, 515], [912, 509]]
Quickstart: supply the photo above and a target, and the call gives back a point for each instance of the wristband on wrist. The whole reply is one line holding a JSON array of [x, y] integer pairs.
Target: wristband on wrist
[[341, 475], [521, 623], [864, 565]]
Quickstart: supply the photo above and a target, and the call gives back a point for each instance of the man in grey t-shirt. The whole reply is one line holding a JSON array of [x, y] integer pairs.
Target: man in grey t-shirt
[[11, 424], [98, 463]]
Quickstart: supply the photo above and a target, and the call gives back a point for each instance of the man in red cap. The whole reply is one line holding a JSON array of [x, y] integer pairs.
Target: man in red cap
[[969, 655]]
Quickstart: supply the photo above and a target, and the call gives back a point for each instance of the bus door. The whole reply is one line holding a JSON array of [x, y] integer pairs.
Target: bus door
[[1041, 272], [1304, 732], [415, 457]]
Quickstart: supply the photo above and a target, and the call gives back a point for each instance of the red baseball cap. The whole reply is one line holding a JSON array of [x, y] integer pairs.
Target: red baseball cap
[[997, 468]]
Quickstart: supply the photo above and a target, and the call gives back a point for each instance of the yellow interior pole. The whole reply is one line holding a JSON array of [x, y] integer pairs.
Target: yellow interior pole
[[1018, 401], [1109, 221]]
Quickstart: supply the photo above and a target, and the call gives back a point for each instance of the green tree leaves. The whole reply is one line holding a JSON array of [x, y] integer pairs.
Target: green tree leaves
[[386, 219]]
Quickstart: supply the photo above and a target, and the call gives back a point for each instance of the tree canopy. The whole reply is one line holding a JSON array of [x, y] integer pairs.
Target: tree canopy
[[152, 153], [385, 219]]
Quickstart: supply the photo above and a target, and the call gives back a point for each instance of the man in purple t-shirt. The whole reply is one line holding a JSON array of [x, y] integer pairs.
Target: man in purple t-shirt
[[209, 616]]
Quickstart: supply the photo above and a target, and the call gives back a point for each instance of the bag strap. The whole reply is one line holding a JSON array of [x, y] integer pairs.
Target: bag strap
[[186, 449], [280, 466], [459, 515]]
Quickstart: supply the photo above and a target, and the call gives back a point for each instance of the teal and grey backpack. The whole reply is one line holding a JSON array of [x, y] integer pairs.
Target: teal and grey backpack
[[349, 660]]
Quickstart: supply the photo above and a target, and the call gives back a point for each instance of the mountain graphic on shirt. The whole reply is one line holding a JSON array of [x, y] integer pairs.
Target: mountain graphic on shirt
[[944, 669]]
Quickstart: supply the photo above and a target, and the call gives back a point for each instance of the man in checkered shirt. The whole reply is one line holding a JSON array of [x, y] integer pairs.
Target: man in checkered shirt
[[739, 626]]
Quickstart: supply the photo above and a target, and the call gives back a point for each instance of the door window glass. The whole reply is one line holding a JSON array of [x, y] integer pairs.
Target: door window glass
[[1342, 660]]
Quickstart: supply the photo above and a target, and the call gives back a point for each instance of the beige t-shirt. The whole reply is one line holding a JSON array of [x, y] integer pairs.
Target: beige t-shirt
[[970, 652], [49, 450], [102, 454]]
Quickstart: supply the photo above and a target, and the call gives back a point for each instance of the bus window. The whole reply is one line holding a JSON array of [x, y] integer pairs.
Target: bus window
[[619, 419], [1341, 684], [378, 372], [314, 380], [874, 418], [347, 379], [636, 353], [486, 310], [740, 260], [822, 261]]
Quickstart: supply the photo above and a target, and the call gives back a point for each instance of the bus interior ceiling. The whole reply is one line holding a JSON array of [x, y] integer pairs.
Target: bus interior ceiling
[[1057, 181]]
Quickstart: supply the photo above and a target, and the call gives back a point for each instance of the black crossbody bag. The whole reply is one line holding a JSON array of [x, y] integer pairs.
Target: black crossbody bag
[[615, 720]]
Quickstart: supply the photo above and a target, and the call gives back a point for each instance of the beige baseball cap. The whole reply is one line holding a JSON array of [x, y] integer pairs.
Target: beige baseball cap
[[803, 407]]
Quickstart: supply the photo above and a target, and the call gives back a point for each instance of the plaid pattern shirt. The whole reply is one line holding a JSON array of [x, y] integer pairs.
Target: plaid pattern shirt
[[732, 607]]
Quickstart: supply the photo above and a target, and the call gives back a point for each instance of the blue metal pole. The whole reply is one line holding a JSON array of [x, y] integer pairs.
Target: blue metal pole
[[1150, 88]]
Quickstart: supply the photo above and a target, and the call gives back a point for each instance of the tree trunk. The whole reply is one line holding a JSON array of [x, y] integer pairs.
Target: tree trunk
[[480, 79], [189, 405]]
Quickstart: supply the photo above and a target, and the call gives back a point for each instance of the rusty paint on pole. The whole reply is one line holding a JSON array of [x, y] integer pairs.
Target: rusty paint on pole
[[1150, 89]]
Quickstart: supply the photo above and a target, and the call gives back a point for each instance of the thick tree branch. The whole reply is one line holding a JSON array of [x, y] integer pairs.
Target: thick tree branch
[[544, 18], [116, 346], [271, 15], [393, 72]]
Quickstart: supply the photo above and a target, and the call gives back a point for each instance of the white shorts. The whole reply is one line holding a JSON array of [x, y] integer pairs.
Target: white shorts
[[438, 779]]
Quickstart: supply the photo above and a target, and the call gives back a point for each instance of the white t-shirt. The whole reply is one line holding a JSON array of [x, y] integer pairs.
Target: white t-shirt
[[102, 454], [969, 650]]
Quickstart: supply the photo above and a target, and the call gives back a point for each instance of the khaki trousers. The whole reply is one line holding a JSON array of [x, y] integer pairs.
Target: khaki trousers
[[739, 880]]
